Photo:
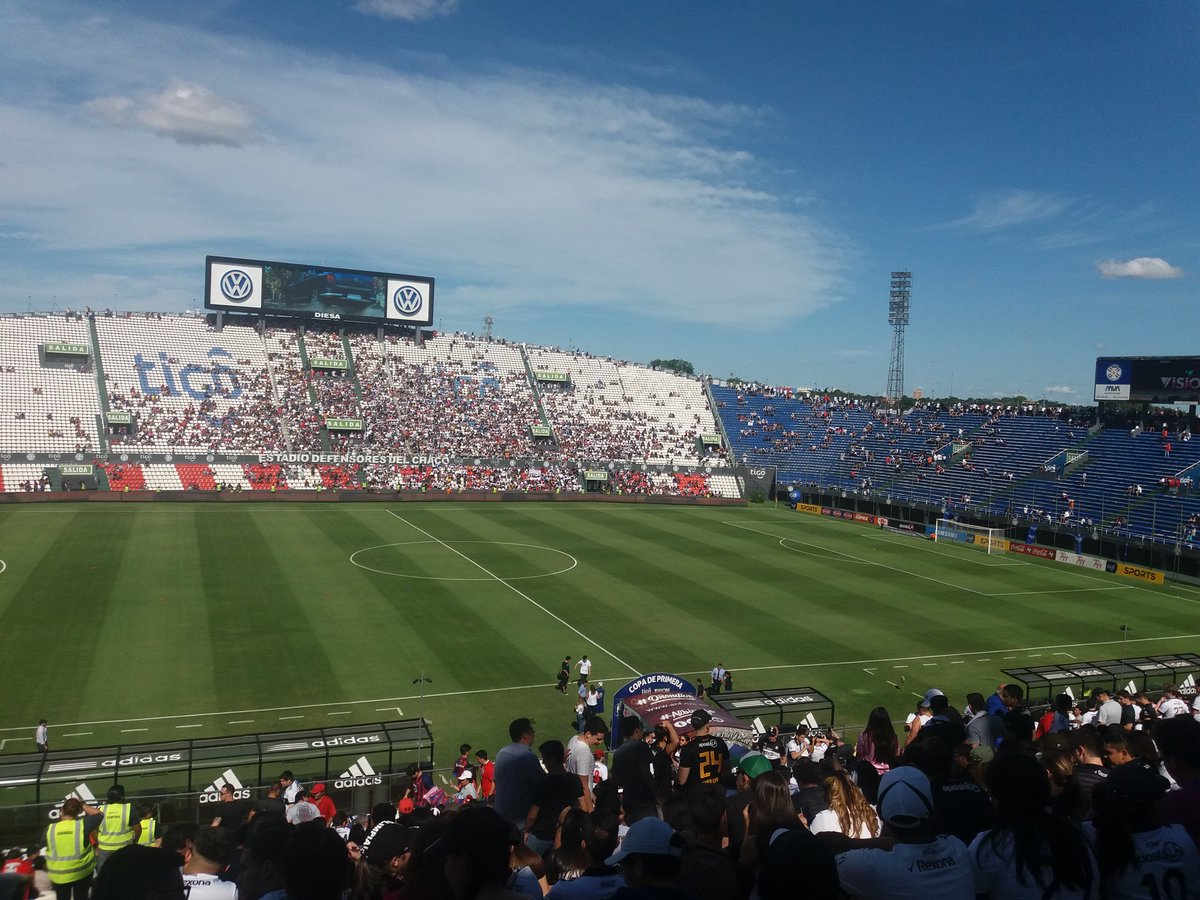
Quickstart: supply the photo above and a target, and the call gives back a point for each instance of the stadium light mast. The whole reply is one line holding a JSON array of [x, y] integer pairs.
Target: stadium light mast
[[488, 322], [898, 306]]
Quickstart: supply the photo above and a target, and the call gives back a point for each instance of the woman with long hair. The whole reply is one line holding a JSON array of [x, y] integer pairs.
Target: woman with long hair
[[849, 813], [770, 809], [878, 743], [1033, 852]]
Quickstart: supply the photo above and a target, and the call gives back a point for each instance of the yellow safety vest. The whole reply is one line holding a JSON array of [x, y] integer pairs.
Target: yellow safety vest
[[149, 832], [69, 855], [116, 829]]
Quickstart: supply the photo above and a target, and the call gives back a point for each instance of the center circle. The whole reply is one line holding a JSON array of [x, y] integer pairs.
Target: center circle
[[383, 555]]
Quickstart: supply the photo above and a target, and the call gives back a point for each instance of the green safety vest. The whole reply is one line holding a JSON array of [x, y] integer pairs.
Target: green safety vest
[[116, 829], [149, 832], [69, 855]]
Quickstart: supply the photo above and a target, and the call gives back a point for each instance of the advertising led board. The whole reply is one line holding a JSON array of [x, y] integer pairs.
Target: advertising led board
[[1153, 379], [317, 292]]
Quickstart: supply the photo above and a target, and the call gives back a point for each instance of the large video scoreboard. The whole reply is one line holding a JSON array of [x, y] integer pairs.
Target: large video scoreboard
[[317, 292], [1151, 379]]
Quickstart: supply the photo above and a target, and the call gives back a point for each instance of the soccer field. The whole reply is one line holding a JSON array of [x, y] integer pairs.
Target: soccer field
[[145, 622]]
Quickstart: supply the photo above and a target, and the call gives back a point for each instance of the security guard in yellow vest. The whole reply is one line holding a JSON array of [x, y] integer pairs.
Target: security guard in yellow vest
[[70, 860], [118, 828], [149, 836]]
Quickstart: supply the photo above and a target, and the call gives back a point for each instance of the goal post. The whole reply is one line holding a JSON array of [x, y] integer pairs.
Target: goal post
[[989, 540]]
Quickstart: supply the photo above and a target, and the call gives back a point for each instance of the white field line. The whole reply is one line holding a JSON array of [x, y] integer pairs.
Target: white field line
[[917, 545], [517, 591], [898, 662], [972, 653], [3, 566], [839, 553]]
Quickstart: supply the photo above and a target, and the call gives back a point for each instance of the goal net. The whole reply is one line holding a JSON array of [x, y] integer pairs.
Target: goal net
[[989, 540]]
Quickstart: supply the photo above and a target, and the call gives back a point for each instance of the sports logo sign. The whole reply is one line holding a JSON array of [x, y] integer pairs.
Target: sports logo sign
[[212, 793]]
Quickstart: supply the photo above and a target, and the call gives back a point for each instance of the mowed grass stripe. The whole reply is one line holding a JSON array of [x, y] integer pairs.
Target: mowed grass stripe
[[155, 621], [265, 642], [56, 620]]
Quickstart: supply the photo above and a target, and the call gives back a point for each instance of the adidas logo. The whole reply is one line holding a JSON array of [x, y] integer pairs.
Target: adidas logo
[[1131, 687], [212, 793], [1188, 685], [361, 774], [81, 792], [811, 721]]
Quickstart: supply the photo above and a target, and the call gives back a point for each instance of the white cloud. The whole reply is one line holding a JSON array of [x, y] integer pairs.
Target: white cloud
[[1142, 267], [407, 10], [518, 190], [1058, 389], [187, 113], [1005, 209]]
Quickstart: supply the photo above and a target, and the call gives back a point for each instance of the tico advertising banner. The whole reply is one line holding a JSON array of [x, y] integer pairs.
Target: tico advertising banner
[[311, 291]]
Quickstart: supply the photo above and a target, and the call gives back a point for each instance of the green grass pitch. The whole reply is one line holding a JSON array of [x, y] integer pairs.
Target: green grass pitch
[[135, 623]]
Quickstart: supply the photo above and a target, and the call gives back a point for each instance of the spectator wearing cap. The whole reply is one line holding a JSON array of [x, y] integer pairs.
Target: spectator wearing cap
[[633, 772], [1178, 740], [1140, 856], [466, 791], [649, 858], [580, 760], [518, 773], [772, 746], [324, 802], [383, 859], [920, 863], [705, 758]]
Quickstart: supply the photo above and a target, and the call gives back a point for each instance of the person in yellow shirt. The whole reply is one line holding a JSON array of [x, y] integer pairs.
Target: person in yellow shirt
[[70, 860], [118, 827]]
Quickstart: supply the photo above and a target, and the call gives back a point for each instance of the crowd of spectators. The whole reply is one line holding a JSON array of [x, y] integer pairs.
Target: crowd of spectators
[[1099, 799]]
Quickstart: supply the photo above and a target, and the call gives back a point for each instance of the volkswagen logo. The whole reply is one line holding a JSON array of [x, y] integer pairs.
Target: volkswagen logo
[[407, 300], [236, 286]]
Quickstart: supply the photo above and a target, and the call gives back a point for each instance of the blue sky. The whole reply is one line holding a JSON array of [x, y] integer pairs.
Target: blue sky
[[727, 183]]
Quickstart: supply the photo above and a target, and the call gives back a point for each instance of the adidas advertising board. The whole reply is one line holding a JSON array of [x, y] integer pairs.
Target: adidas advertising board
[[212, 793], [361, 774], [81, 792]]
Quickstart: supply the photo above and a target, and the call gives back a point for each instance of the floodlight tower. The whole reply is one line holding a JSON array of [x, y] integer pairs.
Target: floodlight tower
[[488, 322], [898, 305]]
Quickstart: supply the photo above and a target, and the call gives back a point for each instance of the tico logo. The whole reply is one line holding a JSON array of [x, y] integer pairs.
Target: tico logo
[[361, 774], [407, 300], [236, 286]]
